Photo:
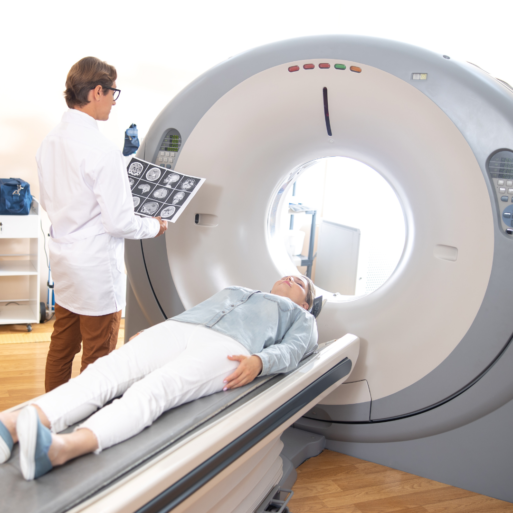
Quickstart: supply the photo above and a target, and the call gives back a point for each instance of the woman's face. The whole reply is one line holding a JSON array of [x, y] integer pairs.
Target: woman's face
[[292, 287]]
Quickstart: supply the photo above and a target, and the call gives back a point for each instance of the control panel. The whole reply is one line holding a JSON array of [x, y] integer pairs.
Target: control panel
[[168, 149], [500, 169]]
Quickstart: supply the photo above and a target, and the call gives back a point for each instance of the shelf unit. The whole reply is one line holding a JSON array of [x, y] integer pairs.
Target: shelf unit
[[305, 260], [19, 268]]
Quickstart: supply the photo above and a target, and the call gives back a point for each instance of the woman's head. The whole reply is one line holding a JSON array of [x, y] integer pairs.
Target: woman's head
[[299, 289]]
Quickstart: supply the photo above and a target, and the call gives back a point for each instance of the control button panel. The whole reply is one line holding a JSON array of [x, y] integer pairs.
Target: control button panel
[[500, 170], [169, 148], [507, 216]]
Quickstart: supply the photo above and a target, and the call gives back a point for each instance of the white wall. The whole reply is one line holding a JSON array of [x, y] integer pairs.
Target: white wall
[[159, 47]]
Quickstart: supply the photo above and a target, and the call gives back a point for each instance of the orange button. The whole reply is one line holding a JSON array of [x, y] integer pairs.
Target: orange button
[[356, 69], [324, 65], [294, 68], [309, 66]]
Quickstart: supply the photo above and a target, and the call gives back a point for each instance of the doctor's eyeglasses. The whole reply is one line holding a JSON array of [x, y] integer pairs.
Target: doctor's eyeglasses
[[116, 93]]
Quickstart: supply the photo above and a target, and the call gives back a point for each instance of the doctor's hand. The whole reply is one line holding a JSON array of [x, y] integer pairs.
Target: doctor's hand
[[163, 226], [249, 368]]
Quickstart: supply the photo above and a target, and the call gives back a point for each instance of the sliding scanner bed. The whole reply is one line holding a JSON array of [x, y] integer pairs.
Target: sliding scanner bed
[[219, 453]]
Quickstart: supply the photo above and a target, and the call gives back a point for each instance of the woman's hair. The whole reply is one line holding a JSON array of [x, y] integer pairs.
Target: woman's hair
[[310, 293], [85, 75]]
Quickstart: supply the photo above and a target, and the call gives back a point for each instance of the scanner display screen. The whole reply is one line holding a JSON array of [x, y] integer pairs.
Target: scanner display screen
[[500, 165]]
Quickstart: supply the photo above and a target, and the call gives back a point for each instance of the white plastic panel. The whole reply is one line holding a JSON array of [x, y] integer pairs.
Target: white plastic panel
[[15, 227], [349, 393]]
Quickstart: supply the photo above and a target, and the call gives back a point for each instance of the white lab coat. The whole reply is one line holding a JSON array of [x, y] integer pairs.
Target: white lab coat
[[84, 189]]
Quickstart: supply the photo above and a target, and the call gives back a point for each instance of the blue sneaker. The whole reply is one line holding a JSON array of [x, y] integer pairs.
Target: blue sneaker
[[35, 440], [6, 443]]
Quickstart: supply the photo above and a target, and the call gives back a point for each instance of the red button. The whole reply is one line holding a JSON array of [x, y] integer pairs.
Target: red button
[[356, 69], [294, 68], [324, 65], [309, 66]]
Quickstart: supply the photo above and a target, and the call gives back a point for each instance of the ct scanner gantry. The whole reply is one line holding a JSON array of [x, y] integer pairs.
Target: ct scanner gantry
[[435, 337]]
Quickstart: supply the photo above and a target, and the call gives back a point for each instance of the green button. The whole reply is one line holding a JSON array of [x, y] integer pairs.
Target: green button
[[340, 66]]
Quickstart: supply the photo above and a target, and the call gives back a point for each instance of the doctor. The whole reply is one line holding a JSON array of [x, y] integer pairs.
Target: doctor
[[84, 189]]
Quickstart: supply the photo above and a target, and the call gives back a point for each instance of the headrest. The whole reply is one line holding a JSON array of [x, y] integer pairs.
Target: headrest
[[317, 305]]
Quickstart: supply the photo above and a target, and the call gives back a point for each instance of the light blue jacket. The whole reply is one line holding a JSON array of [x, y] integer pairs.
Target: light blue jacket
[[272, 327]]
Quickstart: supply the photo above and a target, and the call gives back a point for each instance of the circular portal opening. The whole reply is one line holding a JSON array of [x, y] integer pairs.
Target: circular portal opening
[[340, 222]]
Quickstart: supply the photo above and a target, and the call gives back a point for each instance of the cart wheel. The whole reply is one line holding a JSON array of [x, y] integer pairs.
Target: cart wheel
[[42, 312], [29, 327]]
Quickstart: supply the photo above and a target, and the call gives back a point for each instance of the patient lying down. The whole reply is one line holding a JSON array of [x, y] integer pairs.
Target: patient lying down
[[220, 344]]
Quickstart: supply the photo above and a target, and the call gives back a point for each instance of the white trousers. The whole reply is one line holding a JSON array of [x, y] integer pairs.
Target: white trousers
[[167, 365]]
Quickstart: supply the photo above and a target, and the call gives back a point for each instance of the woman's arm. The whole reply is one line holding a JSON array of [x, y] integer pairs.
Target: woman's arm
[[249, 368], [283, 357]]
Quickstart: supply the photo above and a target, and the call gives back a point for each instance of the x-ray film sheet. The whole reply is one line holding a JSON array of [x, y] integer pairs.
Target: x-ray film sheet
[[157, 191]]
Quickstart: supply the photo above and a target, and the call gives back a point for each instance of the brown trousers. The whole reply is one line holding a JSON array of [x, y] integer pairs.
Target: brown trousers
[[98, 333]]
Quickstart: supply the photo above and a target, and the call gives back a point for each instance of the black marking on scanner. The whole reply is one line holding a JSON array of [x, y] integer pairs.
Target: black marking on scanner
[[326, 110]]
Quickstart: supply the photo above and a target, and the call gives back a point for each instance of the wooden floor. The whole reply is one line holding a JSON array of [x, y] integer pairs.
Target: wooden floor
[[329, 483], [22, 365], [336, 483]]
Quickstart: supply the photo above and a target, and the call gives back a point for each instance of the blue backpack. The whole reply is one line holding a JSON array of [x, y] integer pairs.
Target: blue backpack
[[15, 197]]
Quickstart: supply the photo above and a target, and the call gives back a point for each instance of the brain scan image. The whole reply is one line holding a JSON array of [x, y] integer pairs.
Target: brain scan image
[[150, 208], [135, 169], [168, 211], [144, 188], [131, 181], [153, 174], [179, 196], [171, 179], [160, 193], [136, 201], [187, 184]]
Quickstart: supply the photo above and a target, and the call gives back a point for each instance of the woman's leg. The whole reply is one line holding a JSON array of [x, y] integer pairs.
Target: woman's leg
[[9, 419], [198, 371], [111, 375], [104, 380]]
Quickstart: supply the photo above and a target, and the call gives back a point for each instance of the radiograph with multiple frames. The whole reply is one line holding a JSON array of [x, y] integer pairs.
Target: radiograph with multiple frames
[[157, 191]]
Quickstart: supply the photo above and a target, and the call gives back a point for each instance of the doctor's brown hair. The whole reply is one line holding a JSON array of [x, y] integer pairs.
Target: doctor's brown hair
[[85, 75]]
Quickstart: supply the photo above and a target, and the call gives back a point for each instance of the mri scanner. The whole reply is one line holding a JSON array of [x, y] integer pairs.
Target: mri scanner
[[415, 375]]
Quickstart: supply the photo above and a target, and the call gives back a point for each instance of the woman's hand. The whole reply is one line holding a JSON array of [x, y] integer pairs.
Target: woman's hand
[[248, 369]]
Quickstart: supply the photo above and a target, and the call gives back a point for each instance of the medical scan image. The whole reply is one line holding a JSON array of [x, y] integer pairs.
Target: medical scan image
[[171, 179], [168, 211], [153, 174], [188, 184], [131, 181], [136, 201], [144, 187], [179, 196], [149, 208], [136, 169], [160, 193]]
